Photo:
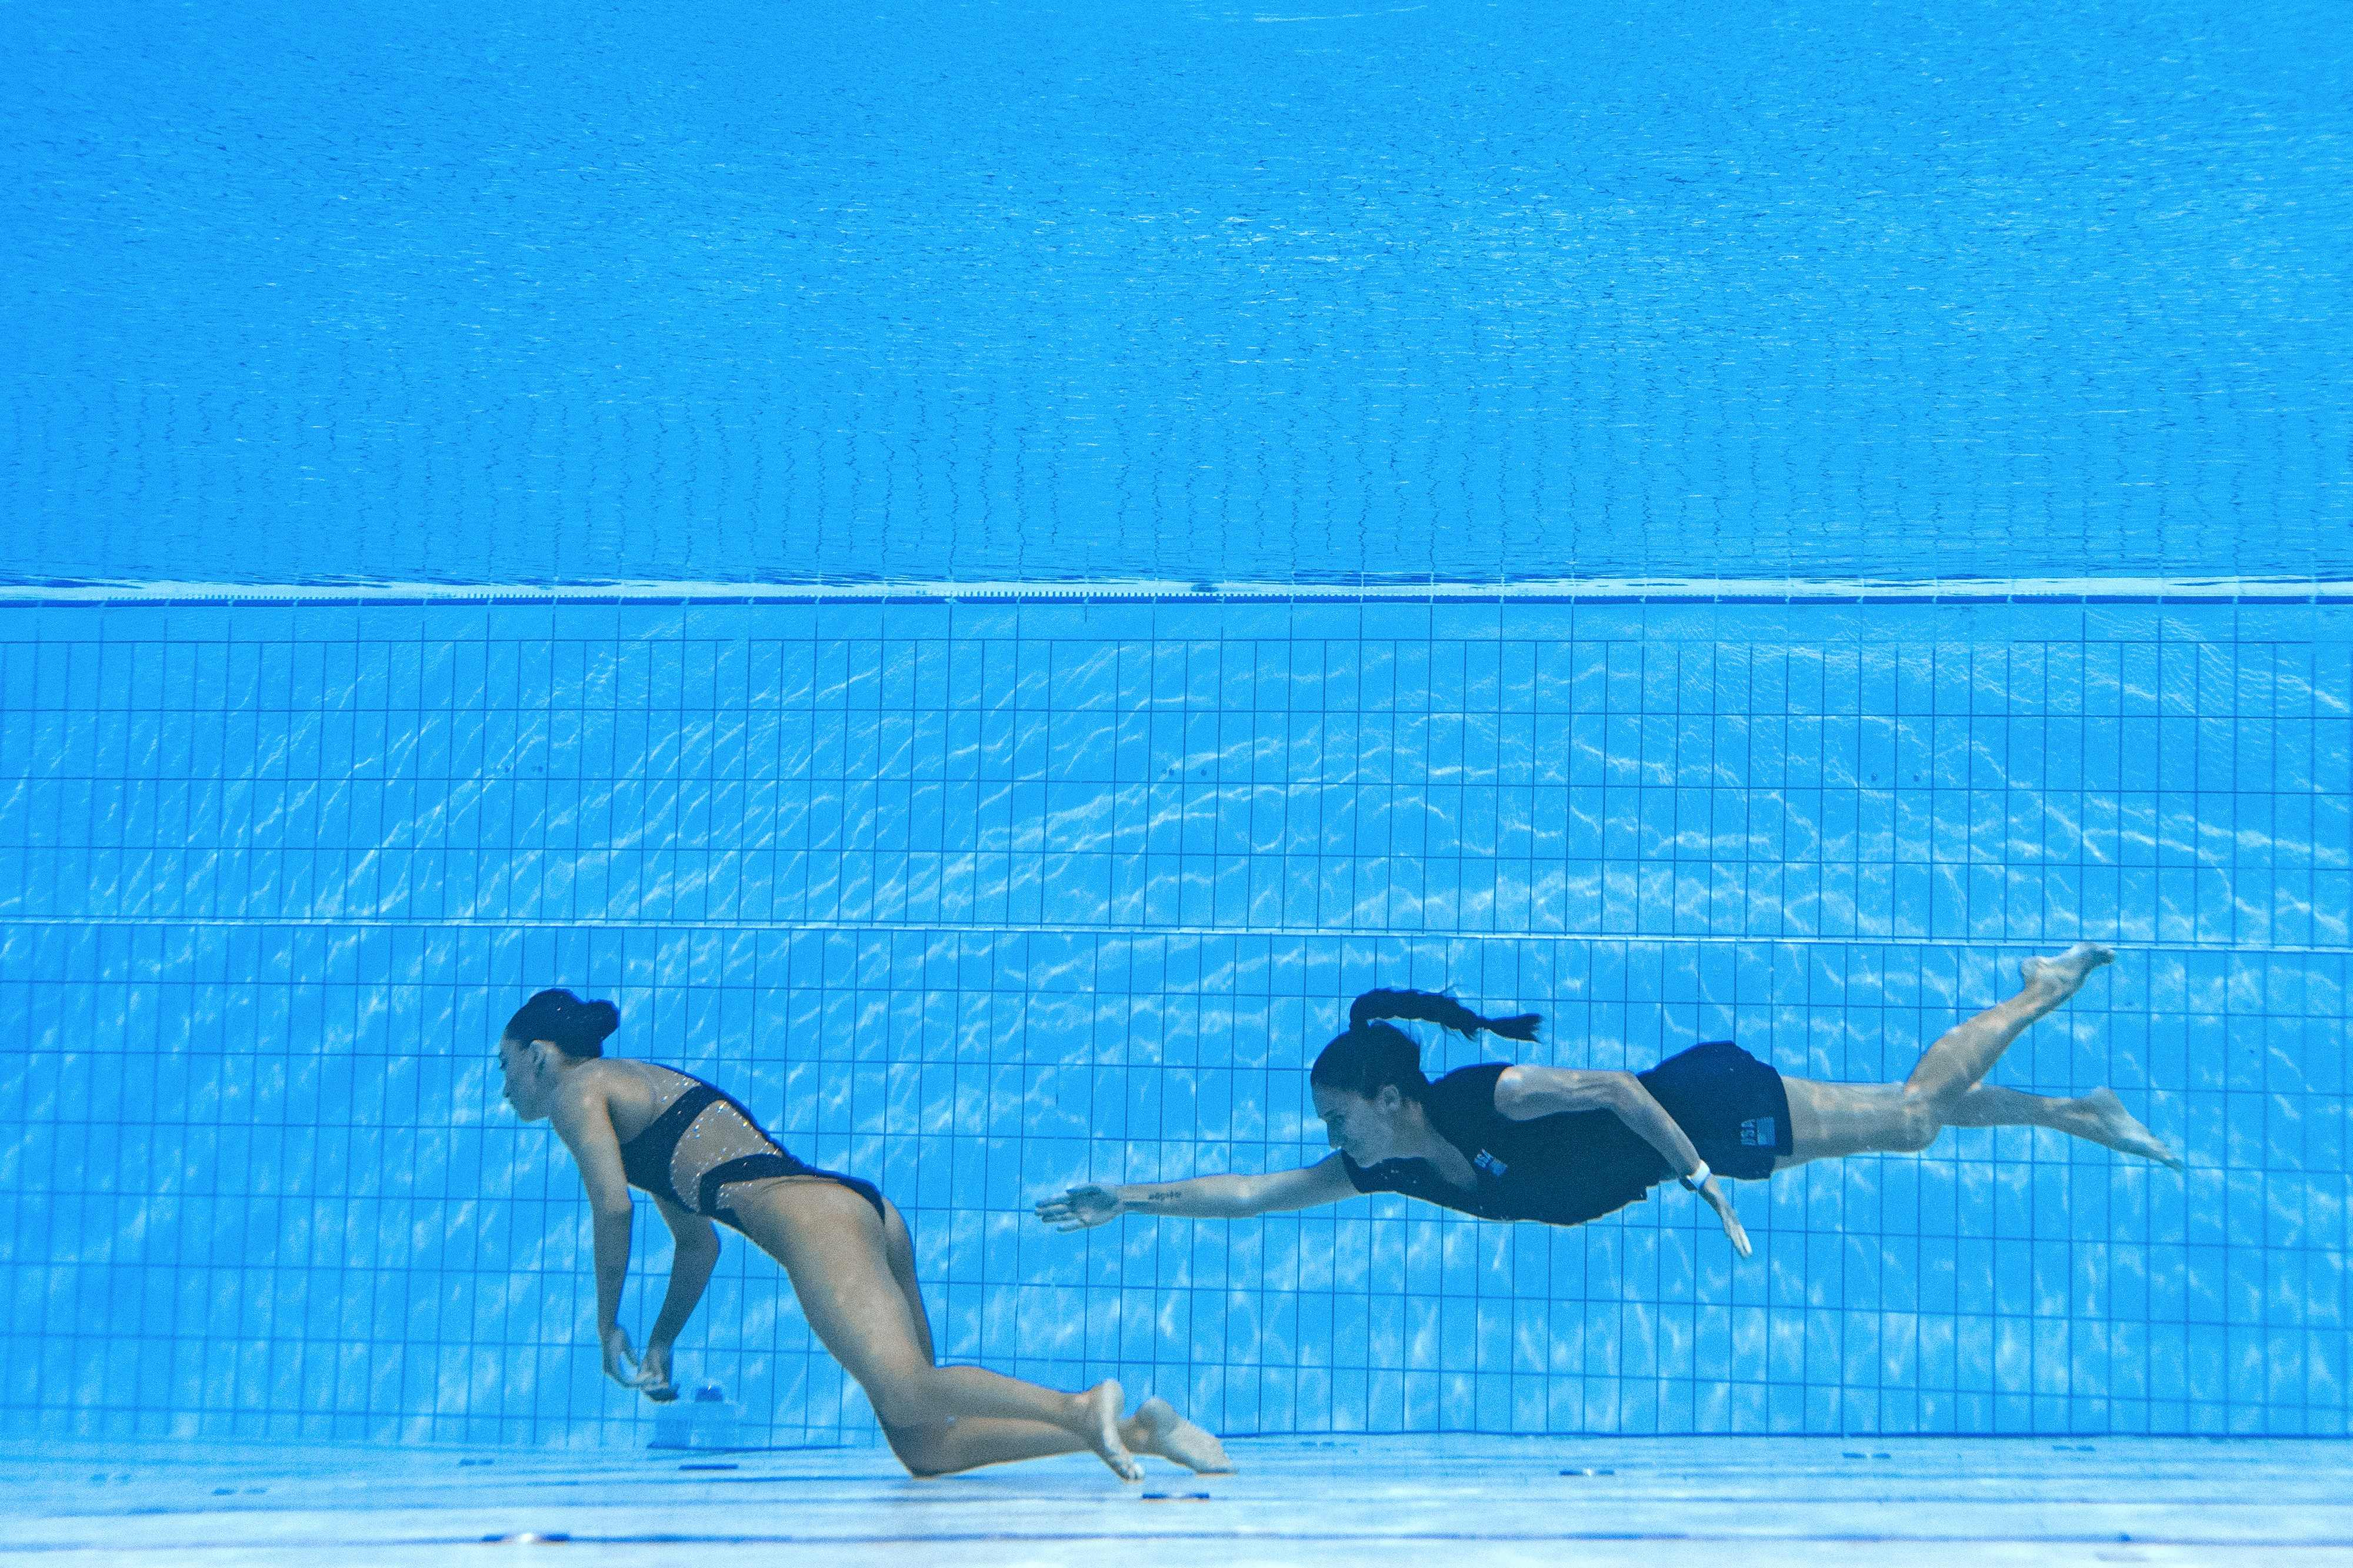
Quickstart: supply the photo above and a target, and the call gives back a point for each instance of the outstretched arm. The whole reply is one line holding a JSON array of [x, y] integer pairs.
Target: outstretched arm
[[1202, 1197], [1524, 1093]]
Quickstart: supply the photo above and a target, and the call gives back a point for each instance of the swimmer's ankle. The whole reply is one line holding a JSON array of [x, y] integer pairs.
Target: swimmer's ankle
[[1154, 1419], [1177, 1440], [1099, 1423]]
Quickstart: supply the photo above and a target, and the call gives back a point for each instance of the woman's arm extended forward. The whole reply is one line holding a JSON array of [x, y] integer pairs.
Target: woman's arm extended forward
[[1203, 1197]]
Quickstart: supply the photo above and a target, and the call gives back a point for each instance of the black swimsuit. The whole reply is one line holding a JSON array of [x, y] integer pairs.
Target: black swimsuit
[[1574, 1166], [705, 1140]]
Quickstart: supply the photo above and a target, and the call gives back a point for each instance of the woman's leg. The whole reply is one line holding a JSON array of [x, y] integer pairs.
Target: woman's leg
[[1967, 1052], [2098, 1116], [971, 1441], [1831, 1120], [833, 1247]]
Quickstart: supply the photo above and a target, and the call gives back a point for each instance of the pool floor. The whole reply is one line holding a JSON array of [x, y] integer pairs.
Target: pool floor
[[1714, 1501]]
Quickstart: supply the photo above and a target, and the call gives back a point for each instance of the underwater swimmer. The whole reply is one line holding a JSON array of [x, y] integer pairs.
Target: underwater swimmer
[[702, 1157], [1562, 1146]]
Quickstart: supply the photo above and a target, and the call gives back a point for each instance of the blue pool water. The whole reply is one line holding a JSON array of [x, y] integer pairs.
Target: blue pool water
[[1981, 365], [982, 900], [1135, 290]]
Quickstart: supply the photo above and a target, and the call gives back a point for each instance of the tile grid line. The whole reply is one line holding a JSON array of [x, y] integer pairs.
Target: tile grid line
[[1618, 938], [1039, 928]]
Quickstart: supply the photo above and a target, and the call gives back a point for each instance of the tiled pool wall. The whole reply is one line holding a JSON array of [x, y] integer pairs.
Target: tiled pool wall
[[982, 899]]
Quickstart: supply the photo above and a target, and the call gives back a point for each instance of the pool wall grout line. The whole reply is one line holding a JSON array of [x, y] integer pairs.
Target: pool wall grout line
[[1141, 931]]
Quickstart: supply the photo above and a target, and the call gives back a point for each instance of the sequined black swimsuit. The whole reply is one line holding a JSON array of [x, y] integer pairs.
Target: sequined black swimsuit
[[703, 1143]]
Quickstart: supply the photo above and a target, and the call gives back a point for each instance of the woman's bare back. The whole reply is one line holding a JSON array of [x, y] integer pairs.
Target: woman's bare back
[[635, 1092]]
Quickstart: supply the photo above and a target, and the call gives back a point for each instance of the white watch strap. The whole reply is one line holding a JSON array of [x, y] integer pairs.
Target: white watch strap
[[1697, 1179]]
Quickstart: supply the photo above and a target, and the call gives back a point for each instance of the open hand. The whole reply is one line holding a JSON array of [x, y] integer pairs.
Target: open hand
[[1079, 1208], [1713, 1190]]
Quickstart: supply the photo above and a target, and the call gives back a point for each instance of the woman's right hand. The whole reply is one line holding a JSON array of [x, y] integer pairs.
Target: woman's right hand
[[620, 1357], [1081, 1208], [1721, 1201]]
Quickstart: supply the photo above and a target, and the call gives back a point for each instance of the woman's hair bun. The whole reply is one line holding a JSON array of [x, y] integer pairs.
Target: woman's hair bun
[[599, 1019], [576, 1028]]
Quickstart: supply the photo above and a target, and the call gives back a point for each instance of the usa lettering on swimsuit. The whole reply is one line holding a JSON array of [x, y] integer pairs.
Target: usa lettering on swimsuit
[[1489, 1163]]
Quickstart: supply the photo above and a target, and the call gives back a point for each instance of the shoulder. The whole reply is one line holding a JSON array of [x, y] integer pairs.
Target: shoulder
[[1477, 1072], [1471, 1088], [586, 1095], [623, 1080]]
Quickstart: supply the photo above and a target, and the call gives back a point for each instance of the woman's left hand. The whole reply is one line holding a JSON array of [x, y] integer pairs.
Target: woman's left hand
[[653, 1378], [1713, 1190]]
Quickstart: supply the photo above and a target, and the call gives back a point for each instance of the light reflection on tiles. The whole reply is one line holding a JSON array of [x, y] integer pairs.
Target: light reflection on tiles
[[980, 901]]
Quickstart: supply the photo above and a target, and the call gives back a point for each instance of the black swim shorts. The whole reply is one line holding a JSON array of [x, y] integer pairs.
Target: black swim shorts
[[1733, 1108]]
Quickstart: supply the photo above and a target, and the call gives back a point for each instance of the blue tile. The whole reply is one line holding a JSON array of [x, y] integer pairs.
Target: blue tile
[[1568, 828]]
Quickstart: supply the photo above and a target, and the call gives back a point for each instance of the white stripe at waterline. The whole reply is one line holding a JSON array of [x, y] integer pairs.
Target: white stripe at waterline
[[1691, 590]]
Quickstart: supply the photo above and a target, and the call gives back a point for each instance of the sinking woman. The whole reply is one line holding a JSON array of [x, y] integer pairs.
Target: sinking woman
[[702, 1157], [1564, 1146]]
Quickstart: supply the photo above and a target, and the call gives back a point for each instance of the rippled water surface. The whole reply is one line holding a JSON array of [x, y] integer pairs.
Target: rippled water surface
[[982, 898], [1120, 291]]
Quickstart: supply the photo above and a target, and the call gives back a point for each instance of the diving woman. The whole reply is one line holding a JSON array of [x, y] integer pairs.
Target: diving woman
[[1565, 1146], [702, 1157]]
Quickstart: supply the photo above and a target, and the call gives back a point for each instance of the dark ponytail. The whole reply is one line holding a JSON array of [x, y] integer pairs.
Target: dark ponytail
[[1435, 1009], [1372, 1056], [576, 1028]]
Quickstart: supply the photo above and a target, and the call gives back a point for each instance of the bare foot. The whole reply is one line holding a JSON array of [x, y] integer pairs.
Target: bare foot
[[1160, 1430], [1099, 1407], [2115, 1126], [2059, 978]]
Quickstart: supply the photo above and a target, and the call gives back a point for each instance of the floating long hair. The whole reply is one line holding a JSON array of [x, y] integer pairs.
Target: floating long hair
[[1372, 1055], [576, 1028]]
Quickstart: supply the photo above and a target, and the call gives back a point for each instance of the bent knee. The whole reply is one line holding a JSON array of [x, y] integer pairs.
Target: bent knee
[[922, 1450], [1914, 1127], [903, 1402]]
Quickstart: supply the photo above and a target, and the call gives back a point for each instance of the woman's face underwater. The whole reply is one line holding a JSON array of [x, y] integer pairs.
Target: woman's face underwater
[[530, 1081], [1364, 1130]]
